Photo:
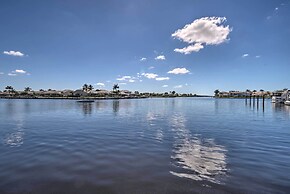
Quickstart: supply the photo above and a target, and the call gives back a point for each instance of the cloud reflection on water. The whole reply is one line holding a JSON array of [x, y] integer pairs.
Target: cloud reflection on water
[[16, 137], [195, 157]]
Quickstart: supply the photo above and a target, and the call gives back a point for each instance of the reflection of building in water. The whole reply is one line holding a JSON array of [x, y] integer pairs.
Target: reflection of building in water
[[281, 109], [195, 157]]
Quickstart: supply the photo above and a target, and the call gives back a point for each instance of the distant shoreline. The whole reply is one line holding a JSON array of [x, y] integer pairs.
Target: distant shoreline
[[101, 98]]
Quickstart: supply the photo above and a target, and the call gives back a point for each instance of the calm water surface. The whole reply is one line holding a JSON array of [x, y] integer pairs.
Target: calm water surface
[[181, 145]]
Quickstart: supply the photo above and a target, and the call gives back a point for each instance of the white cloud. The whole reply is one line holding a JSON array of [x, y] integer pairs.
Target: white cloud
[[206, 30], [276, 9], [179, 71], [151, 67], [178, 86], [164, 86], [160, 57], [124, 78], [245, 55], [189, 49], [100, 84], [17, 72], [162, 78], [143, 59], [14, 53], [20, 71], [131, 80], [258, 56], [122, 83], [1, 73], [150, 75]]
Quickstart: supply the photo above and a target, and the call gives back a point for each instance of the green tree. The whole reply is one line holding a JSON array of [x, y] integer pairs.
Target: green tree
[[85, 87], [115, 88], [10, 89], [90, 88], [216, 92], [27, 89]]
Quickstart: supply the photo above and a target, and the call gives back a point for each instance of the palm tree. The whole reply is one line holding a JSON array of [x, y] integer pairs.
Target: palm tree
[[216, 92], [85, 87], [90, 88], [115, 88], [173, 92], [9, 89], [27, 89]]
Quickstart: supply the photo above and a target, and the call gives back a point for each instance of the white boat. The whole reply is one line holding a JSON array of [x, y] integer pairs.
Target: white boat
[[287, 102], [277, 99]]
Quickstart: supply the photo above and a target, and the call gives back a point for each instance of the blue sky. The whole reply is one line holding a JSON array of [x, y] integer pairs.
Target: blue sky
[[226, 45]]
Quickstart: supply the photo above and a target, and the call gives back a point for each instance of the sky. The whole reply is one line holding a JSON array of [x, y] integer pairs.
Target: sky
[[189, 46]]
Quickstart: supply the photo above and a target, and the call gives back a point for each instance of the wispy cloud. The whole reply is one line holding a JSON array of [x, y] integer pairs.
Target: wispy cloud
[[14, 53], [160, 57], [258, 56], [179, 71], [18, 72], [100, 84], [161, 78], [189, 49], [178, 86], [143, 59], [130, 79], [1, 73], [154, 76], [203, 31], [150, 75], [151, 67], [245, 55], [274, 12], [126, 77], [164, 86]]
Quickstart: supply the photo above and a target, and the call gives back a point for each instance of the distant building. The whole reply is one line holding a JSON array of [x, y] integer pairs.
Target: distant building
[[79, 92]]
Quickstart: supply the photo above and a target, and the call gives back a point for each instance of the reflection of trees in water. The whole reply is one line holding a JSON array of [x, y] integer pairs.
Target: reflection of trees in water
[[116, 106], [195, 157], [87, 108]]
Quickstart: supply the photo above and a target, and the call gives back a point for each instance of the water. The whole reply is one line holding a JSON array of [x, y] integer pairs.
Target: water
[[179, 145]]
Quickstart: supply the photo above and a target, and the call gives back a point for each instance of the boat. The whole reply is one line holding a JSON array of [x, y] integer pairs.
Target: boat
[[287, 102], [277, 99], [85, 101]]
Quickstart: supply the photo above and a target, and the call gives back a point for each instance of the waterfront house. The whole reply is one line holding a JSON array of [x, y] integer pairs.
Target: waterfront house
[[125, 92], [67, 93], [79, 93]]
